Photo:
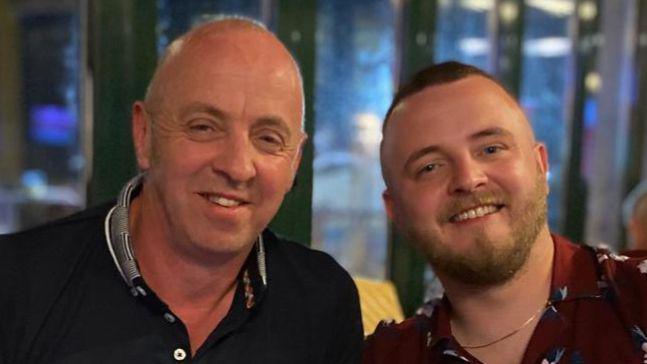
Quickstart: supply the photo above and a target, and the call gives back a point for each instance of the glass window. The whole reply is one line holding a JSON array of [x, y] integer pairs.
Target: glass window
[[355, 59], [544, 87], [176, 17], [463, 33], [41, 132]]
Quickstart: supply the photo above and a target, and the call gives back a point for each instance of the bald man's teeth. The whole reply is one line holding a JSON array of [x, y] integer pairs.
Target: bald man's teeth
[[225, 202], [474, 213]]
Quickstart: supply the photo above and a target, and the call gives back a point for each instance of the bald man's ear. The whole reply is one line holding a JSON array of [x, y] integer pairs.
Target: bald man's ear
[[141, 129], [296, 162]]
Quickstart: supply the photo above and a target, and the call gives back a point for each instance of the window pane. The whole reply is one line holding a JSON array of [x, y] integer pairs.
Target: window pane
[[546, 66], [41, 154], [176, 16], [462, 32], [355, 57]]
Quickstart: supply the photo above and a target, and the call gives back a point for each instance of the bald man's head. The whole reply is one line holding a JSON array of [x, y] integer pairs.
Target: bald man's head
[[213, 34], [219, 135]]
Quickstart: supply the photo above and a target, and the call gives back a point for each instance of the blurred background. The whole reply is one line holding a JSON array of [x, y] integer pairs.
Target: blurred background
[[70, 70]]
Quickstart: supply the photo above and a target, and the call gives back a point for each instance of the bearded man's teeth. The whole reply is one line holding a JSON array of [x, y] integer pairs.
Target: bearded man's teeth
[[225, 202], [474, 213]]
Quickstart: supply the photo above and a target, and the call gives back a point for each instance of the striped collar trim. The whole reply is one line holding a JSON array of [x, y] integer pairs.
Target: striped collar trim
[[118, 237]]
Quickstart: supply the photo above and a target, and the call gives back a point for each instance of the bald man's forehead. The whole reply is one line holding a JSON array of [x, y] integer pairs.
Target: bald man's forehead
[[230, 53], [250, 49]]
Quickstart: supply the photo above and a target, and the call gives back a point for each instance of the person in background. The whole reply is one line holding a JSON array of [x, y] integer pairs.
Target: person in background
[[182, 268], [466, 184], [634, 211]]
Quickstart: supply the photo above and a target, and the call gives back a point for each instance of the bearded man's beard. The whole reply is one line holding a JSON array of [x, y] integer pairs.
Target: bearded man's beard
[[488, 263]]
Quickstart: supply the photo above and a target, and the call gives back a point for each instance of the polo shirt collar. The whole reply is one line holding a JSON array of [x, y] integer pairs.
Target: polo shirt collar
[[253, 275]]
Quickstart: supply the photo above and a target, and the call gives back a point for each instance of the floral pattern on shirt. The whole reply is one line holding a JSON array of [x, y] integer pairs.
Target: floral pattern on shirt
[[640, 340], [554, 356], [596, 313], [643, 267], [559, 294]]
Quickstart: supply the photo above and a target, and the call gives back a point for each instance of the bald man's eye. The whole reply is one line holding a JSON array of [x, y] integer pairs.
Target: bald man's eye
[[202, 130], [270, 141]]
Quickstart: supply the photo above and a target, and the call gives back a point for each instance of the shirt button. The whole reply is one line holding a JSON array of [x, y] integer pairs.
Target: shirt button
[[179, 354]]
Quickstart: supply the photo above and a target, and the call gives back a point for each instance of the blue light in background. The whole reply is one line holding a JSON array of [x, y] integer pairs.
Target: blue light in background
[[590, 113], [52, 125]]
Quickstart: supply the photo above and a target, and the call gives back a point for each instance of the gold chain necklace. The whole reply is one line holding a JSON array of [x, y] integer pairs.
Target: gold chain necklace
[[528, 321]]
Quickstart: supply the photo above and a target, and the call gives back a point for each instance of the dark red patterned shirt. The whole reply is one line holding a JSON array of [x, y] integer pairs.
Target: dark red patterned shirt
[[597, 313]]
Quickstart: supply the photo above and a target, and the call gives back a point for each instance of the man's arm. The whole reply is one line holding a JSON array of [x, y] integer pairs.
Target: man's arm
[[347, 330]]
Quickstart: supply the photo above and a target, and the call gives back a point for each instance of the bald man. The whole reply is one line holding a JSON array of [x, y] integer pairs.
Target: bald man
[[466, 183], [182, 267]]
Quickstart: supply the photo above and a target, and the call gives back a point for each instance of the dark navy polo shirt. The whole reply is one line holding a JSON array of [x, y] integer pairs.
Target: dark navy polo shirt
[[62, 300]]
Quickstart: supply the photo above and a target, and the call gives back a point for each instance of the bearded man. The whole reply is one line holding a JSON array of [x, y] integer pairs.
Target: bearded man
[[466, 183]]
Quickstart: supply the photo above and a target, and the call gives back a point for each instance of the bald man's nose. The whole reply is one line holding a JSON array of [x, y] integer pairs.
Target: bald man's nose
[[236, 160]]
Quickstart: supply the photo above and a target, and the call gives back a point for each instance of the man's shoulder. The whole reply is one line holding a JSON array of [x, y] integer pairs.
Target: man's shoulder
[[620, 270], [48, 270], [307, 275], [53, 239], [414, 327], [81, 217], [399, 342], [311, 286], [623, 269], [295, 256], [624, 277]]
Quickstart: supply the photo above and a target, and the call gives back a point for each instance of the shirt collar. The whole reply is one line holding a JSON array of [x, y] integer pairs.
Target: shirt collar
[[440, 321], [573, 276], [575, 272], [117, 233], [443, 341]]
